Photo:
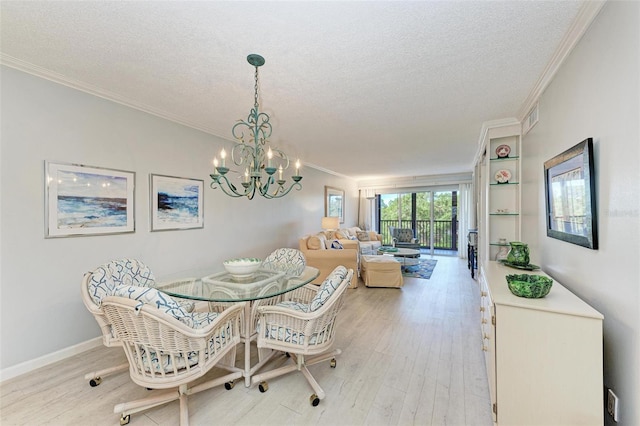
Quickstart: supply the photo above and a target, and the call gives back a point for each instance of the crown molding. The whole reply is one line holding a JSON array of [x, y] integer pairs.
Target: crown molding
[[585, 17], [330, 172], [46, 74], [52, 76]]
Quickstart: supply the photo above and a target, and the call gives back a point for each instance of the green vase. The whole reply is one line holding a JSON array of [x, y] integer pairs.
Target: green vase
[[519, 254]]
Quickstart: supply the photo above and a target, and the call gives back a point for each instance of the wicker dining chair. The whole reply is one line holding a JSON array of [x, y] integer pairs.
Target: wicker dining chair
[[95, 287], [100, 282], [288, 260], [304, 328], [168, 348]]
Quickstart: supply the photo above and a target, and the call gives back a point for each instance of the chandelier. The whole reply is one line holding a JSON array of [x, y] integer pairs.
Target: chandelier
[[260, 165]]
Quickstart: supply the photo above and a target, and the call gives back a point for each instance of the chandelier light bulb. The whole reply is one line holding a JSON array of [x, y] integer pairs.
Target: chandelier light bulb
[[223, 155]]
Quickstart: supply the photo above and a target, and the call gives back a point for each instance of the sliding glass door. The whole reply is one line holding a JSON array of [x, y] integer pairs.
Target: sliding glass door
[[432, 214]]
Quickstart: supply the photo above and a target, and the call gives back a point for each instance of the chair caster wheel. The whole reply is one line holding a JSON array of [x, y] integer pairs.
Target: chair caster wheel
[[333, 363], [314, 400], [95, 381], [124, 420], [229, 385], [263, 386]]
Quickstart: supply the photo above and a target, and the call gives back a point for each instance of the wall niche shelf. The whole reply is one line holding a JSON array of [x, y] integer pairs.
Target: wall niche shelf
[[498, 202], [504, 158]]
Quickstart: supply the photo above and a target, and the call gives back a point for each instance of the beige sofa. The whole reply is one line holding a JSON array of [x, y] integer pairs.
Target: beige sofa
[[326, 259], [354, 242]]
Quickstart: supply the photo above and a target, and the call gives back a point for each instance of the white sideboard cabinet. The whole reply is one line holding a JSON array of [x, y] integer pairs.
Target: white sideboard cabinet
[[543, 356]]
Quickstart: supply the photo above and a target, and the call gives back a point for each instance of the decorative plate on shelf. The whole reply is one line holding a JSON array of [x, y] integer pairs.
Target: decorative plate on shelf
[[503, 176], [503, 151]]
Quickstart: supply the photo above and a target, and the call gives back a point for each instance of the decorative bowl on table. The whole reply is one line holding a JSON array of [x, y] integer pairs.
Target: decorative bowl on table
[[242, 267], [388, 249], [531, 286]]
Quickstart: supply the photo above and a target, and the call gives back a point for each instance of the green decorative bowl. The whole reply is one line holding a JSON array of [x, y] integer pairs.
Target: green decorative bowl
[[530, 286]]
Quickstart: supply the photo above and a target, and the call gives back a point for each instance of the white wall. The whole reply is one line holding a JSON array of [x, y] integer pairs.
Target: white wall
[[41, 310], [596, 94]]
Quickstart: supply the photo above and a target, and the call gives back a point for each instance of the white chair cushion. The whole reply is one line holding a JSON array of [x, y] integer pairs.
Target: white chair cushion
[[166, 363], [327, 288], [288, 260], [296, 306], [130, 272], [164, 302], [285, 334]]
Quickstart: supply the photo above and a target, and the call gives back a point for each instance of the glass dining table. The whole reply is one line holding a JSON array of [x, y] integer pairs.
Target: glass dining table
[[220, 288]]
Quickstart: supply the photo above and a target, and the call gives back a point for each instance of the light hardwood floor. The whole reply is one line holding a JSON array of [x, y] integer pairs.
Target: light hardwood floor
[[411, 356]]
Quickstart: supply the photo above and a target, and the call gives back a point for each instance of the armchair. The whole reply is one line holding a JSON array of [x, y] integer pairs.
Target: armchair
[[168, 348], [102, 281], [404, 238], [95, 286], [304, 325]]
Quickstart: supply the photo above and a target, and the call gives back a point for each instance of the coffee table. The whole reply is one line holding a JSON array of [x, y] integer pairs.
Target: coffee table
[[407, 257]]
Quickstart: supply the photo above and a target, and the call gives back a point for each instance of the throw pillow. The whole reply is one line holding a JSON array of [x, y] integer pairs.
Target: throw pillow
[[315, 243], [341, 236], [345, 232], [404, 235], [335, 244], [363, 236]]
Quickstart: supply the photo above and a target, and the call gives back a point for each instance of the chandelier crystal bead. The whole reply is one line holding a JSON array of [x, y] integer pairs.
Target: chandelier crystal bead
[[250, 156]]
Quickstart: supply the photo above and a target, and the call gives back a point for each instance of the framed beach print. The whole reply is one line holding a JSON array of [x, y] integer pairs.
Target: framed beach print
[[176, 203], [570, 190], [334, 202], [83, 200]]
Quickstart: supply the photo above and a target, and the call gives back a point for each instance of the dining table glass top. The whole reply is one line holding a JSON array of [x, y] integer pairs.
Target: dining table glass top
[[221, 286]]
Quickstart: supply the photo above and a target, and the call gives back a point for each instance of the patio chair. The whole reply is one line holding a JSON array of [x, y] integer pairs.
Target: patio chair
[[168, 348], [303, 327], [404, 238], [100, 282]]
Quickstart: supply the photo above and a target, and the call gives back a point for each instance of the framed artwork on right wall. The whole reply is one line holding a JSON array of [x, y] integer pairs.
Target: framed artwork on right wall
[[570, 193]]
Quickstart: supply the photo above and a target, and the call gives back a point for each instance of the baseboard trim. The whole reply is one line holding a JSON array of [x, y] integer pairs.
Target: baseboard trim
[[43, 361]]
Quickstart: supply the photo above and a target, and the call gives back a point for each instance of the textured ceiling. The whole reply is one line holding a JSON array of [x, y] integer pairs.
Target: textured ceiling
[[364, 89]]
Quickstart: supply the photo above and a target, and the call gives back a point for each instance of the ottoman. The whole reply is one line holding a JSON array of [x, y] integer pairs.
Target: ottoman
[[381, 271]]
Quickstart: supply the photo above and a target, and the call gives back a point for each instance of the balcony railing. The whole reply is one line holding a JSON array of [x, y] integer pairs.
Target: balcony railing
[[445, 232]]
